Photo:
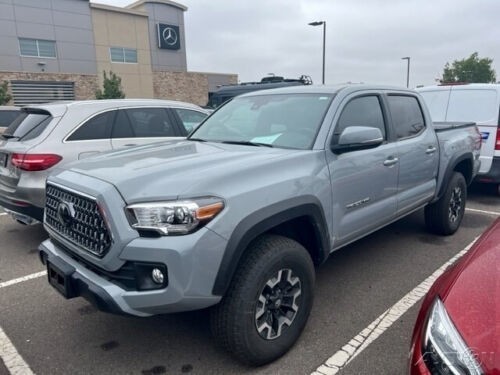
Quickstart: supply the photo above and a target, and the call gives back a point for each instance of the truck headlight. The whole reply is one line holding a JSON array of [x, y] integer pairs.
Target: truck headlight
[[445, 352], [174, 217]]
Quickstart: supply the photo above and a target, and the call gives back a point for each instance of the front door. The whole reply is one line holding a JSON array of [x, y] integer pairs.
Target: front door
[[364, 182]]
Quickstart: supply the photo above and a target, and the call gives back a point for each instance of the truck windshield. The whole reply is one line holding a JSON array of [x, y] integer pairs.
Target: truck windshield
[[280, 120]]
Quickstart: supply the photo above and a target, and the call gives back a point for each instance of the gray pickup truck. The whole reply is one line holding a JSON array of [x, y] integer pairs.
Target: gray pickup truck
[[238, 215]]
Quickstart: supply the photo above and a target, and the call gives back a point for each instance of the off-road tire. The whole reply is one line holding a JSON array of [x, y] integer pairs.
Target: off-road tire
[[444, 216], [234, 320]]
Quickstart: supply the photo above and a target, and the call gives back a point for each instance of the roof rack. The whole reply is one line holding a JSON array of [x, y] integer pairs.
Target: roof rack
[[303, 79], [226, 92], [453, 83]]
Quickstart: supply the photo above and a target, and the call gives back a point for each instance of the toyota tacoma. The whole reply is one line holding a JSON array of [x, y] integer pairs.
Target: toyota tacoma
[[238, 215]]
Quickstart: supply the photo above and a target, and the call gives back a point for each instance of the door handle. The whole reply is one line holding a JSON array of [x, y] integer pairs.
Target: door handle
[[430, 150], [130, 144], [390, 162]]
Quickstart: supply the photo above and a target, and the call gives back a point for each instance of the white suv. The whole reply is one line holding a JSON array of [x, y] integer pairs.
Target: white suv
[[47, 136], [478, 102]]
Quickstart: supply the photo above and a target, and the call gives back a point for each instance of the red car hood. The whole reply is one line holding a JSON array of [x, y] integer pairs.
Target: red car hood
[[473, 300]]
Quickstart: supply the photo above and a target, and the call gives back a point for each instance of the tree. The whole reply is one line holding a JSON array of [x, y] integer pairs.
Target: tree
[[471, 69], [4, 93], [112, 87]]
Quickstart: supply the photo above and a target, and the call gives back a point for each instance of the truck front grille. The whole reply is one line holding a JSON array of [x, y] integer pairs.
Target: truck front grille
[[77, 219]]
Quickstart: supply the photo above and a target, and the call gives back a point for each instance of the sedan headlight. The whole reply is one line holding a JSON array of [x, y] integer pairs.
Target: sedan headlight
[[445, 352], [174, 217]]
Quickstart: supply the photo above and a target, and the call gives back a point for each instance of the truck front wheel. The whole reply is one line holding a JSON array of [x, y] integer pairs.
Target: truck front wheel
[[268, 303], [444, 216]]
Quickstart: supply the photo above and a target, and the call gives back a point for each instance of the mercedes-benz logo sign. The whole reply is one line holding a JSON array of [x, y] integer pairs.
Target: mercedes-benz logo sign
[[169, 36], [66, 213]]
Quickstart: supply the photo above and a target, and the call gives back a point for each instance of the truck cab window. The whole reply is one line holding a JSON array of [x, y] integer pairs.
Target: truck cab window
[[406, 115], [362, 111]]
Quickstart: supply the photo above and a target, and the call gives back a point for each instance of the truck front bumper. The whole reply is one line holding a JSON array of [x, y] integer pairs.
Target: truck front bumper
[[70, 283], [117, 292]]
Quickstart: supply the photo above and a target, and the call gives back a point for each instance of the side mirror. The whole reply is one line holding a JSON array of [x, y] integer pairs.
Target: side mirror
[[357, 138]]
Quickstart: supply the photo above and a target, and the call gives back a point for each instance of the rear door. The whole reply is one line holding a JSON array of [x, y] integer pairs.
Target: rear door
[[143, 125], [480, 105], [417, 149], [364, 182]]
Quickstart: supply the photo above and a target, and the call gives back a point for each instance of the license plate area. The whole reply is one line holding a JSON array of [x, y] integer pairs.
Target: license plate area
[[59, 276]]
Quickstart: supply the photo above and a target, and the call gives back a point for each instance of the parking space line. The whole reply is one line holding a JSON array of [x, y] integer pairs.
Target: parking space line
[[21, 279], [483, 211], [368, 335], [11, 358]]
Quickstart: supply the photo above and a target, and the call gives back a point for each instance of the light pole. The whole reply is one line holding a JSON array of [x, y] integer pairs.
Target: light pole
[[407, 70], [319, 23]]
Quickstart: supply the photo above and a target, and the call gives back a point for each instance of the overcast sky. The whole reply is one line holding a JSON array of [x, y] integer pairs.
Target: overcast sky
[[365, 39]]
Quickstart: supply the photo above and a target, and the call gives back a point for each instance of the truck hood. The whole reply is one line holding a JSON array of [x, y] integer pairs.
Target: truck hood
[[168, 171]]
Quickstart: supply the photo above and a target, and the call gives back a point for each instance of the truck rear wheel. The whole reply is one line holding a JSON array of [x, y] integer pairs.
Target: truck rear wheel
[[444, 216], [268, 302]]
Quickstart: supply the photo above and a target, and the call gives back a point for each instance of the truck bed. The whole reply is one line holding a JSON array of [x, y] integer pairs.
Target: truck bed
[[454, 136]]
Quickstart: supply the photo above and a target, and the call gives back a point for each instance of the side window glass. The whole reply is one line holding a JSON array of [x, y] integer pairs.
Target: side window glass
[[472, 105], [437, 103], [151, 122], [6, 117], [122, 127], [406, 115], [190, 119], [362, 111], [98, 127]]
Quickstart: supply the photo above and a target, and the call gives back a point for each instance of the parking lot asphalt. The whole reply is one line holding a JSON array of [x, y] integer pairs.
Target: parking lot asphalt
[[355, 286]]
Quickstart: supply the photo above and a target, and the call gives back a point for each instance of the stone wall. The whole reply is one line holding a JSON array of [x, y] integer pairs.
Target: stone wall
[[85, 84], [189, 87]]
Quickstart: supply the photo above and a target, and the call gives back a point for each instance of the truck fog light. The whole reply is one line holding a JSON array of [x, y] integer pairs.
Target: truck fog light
[[150, 276], [157, 276]]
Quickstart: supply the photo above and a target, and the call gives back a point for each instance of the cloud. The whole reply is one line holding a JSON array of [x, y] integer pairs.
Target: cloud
[[365, 39]]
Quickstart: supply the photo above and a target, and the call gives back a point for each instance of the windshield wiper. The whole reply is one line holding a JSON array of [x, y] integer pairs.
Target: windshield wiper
[[248, 143]]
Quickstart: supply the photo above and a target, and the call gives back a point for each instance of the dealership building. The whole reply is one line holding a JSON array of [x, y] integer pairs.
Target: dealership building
[[58, 50]]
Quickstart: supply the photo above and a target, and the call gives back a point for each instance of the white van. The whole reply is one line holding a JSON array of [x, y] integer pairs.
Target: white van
[[478, 102]]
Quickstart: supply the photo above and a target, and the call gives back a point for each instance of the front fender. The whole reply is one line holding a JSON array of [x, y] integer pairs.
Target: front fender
[[263, 220]]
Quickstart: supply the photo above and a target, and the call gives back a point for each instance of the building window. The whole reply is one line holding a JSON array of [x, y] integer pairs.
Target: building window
[[37, 47], [123, 55]]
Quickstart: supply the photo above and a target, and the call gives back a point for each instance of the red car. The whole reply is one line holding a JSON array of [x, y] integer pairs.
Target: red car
[[458, 326]]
